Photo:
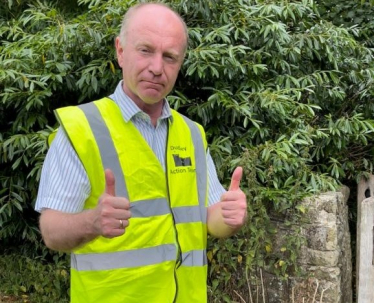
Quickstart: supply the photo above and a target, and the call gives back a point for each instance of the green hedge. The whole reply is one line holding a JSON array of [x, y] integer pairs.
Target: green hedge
[[33, 280]]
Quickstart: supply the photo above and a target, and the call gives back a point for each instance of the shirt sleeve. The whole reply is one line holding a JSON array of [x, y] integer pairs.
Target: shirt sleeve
[[64, 184], [215, 189]]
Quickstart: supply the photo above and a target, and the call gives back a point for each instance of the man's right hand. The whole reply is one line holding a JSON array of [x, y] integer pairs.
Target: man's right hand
[[66, 231], [112, 212]]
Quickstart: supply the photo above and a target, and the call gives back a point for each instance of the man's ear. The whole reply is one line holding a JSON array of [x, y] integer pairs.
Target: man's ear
[[119, 51]]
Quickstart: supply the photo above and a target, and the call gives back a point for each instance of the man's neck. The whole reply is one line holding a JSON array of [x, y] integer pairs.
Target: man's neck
[[154, 111]]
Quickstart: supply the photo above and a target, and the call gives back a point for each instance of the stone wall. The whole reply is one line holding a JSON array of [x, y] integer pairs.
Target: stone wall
[[326, 257]]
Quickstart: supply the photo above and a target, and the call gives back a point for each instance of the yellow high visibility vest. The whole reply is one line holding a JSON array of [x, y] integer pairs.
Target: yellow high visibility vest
[[161, 257]]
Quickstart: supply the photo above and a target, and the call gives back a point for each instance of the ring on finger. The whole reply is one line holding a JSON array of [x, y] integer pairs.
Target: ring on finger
[[121, 223]]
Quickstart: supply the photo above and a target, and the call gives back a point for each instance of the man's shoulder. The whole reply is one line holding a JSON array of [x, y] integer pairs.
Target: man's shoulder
[[184, 117]]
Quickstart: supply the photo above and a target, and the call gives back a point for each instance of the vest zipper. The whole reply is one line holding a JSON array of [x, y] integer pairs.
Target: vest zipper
[[179, 253]]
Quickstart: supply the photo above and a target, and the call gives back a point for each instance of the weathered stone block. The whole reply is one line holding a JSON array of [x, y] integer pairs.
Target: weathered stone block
[[322, 237], [326, 257], [323, 258]]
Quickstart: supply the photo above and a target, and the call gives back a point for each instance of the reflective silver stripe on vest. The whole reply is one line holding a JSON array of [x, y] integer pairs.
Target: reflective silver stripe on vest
[[201, 165], [105, 143], [149, 208], [186, 214], [124, 259], [136, 258], [194, 258]]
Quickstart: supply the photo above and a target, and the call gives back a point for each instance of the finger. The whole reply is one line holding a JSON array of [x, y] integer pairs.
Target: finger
[[236, 178], [229, 205], [123, 224], [232, 196], [110, 183], [119, 214], [119, 203]]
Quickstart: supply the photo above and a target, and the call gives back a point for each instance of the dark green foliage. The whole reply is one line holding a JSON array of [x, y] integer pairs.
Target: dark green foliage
[[358, 14], [280, 89], [33, 280]]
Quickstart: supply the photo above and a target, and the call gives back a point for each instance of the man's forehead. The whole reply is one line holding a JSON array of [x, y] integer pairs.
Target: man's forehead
[[143, 33], [156, 22], [155, 15]]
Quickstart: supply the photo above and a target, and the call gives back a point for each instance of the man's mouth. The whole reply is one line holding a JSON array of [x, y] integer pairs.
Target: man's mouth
[[151, 84]]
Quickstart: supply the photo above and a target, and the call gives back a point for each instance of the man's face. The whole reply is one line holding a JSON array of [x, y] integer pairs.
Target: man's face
[[152, 54]]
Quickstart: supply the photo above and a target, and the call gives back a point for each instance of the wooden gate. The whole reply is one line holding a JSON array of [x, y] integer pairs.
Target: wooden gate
[[365, 241]]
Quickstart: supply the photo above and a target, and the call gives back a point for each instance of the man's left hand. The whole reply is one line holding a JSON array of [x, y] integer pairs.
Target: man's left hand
[[234, 202]]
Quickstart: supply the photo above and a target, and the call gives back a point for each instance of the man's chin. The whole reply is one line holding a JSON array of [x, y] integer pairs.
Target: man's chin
[[152, 98], [152, 101]]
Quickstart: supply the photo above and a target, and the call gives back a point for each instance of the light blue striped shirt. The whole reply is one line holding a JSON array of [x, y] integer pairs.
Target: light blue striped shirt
[[64, 184]]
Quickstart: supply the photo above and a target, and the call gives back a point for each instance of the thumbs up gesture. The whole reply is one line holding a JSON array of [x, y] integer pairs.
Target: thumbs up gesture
[[234, 203], [112, 212]]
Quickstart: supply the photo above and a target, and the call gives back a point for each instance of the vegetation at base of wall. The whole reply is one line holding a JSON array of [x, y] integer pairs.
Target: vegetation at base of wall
[[283, 88], [37, 280]]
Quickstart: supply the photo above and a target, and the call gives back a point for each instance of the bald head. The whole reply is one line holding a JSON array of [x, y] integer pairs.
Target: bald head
[[153, 12]]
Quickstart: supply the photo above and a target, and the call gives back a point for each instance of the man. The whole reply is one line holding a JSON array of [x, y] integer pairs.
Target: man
[[128, 186]]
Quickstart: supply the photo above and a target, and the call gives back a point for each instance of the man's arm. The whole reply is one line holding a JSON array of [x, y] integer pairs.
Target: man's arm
[[228, 215], [65, 232]]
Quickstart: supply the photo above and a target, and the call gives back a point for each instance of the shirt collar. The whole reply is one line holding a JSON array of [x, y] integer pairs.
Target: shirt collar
[[129, 109]]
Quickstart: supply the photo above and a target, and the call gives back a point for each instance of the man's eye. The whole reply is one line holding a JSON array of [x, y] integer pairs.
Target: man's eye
[[169, 58]]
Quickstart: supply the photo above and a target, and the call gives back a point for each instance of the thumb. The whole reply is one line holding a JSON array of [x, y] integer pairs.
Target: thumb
[[236, 178], [110, 183]]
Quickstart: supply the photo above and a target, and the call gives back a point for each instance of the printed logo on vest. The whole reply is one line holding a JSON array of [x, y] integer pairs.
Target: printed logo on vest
[[178, 161]]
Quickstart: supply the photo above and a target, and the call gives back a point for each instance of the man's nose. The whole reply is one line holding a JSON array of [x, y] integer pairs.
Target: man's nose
[[156, 65]]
